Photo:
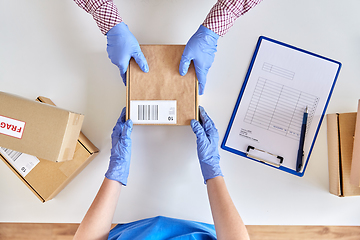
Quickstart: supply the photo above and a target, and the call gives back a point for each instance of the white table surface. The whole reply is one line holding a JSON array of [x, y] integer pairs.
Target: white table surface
[[54, 49]]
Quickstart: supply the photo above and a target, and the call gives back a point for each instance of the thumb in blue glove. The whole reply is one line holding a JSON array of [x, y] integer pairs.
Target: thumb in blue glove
[[207, 145], [122, 46], [200, 48], [121, 150]]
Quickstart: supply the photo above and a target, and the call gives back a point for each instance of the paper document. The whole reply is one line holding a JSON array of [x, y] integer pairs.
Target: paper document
[[281, 82]]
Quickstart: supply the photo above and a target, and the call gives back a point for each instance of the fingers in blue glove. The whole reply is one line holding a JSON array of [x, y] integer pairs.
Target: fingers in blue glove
[[121, 46], [204, 129], [207, 145], [117, 130], [207, 123], [198, 130], [201, 49], [121, 150], [141, 61], [126, 133], [184, 63]]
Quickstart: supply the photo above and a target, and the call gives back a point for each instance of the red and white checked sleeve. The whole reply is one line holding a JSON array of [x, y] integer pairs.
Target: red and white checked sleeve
[[104, 12], [224, 13]]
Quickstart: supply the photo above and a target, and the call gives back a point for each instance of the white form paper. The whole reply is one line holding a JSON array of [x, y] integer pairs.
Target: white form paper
[[282, 83]]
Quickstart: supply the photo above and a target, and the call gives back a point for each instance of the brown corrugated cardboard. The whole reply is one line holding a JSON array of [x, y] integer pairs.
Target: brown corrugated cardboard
[[340, 137], [163, 82], [355, 164], [38, 129], [48, 178]]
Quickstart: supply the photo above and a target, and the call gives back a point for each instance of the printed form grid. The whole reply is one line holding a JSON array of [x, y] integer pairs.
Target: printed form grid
[[279, 108]]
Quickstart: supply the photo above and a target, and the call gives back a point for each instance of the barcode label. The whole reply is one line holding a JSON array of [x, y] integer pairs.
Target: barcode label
[[13, 155], [22, 162], [153, 111], [148, 112]]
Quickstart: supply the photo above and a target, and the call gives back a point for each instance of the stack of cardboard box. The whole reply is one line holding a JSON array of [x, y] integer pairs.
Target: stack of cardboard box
[[29, 128], [343, 134], [42, 144]]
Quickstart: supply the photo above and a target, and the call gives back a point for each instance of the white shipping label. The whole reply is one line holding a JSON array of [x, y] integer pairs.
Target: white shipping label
[[11, 127], [153, 112], [23, 163]]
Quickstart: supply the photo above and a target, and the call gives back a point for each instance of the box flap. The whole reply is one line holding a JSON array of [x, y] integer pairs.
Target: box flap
[[334, 154], [355, 165], [45, 100], [90, 147], [347, 129]]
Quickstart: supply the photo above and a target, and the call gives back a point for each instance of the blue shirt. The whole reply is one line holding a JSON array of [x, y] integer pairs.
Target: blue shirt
[[163, 228]]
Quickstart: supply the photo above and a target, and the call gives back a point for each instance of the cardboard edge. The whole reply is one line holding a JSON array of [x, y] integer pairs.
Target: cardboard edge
[[82, 139], [334, 154], [355, 163], [87, 144], [67, 152], [71, 136], [128, 93], [197, 117]]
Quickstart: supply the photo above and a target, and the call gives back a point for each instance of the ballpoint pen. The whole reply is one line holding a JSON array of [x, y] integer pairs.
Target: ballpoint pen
[[300, 154]]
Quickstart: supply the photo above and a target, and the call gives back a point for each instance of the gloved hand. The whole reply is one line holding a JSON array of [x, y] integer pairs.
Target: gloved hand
[[121, 46], [201, 49], [121, 150], [207, 145]]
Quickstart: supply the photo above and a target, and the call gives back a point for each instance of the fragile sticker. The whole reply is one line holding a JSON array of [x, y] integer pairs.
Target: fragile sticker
[[11, 127]]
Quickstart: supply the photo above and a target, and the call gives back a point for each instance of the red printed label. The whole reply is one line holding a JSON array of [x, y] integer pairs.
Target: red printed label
[[11, 127]]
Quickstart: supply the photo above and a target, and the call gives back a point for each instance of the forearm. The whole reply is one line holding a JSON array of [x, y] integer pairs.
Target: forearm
[[228, 223], [97, 221], [223, 14], [104, 12]]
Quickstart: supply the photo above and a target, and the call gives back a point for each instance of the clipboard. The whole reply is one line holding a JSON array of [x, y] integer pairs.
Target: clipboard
[[281, 81]]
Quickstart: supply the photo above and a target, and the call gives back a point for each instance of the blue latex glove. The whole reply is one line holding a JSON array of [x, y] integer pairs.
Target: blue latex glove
[[121, 150], [207, 145], [201, 48], [121, 46]]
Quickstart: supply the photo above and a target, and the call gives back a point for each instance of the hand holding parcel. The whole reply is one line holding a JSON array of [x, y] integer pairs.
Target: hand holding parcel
[[122, 46], [201, 48], [207, 145], [121, 150]]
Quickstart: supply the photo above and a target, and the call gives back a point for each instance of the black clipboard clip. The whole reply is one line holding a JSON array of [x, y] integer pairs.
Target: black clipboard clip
[[279, 158]]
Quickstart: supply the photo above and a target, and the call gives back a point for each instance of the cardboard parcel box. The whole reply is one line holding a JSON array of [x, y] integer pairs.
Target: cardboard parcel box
[[38, 129], [340, 138], [45, 178], [161, 96]]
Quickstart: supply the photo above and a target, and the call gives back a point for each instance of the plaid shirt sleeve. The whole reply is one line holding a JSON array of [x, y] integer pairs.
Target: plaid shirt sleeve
[[104, 12], [224, 13]]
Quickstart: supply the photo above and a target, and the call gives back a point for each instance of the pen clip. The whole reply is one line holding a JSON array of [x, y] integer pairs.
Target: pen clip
[[280, 159]]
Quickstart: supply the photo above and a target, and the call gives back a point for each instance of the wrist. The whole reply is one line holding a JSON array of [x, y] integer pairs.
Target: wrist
[[117, 171], [117, 29], [207, 31], [211, 170]]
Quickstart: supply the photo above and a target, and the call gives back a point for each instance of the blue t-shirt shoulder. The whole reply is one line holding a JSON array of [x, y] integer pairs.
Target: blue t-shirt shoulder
[[163, 228]]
